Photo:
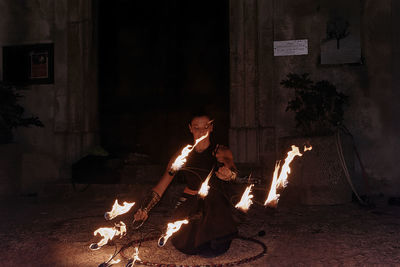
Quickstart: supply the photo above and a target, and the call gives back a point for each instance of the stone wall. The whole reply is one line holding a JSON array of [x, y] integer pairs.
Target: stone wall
[[258, 101], [68, 108]]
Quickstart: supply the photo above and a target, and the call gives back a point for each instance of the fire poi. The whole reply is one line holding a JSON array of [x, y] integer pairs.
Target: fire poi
[[108, 233], [111, 261], [172, 228], [136, 255], [181, 159], [203, 192], [279, 182], [118, 210], [246, 200]]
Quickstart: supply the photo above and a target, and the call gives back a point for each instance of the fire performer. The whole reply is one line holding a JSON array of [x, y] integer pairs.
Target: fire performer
[[211, 226]]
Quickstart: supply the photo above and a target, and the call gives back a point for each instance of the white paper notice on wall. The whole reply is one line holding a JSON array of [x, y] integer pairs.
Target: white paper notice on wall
[[291, 48]]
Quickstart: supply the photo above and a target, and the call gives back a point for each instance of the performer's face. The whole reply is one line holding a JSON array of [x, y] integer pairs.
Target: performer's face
[[200, 126]]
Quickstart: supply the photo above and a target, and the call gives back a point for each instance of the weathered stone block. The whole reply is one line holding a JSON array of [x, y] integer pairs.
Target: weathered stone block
[[318, 177]]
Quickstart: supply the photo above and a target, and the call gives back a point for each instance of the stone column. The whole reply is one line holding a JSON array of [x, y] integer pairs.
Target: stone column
[[76, 117], [252, 133]]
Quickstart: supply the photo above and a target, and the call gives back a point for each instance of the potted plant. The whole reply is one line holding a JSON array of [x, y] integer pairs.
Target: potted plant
[[12, 113], [318, 107], [319, 113]]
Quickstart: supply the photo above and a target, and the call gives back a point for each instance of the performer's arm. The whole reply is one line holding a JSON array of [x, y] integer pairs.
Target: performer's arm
[[165, 180], [228, 171], [155, 194]]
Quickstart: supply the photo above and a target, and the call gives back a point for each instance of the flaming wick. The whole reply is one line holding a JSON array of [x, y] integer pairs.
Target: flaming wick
[[172, 228], [245, 202], [273, 196], [285, 169], [136, 256], [281, 181], [181, 159], [108, 234], [118, 210], [203, 192], [112, 261], [307, 148]]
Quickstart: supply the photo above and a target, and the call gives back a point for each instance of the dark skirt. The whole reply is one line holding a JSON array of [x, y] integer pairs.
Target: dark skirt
[[211, 224]]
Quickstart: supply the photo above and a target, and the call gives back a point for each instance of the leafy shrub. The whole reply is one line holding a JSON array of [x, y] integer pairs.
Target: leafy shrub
[[318, 107]]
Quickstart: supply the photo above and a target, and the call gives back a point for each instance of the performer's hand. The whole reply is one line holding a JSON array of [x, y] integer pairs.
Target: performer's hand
[[140, 215], [224, 173]]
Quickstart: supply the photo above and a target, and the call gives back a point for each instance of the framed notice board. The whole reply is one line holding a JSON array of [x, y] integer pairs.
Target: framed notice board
[[28, 64]]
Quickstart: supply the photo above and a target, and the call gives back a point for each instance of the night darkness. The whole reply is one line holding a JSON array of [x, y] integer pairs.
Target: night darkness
[[157, 61]]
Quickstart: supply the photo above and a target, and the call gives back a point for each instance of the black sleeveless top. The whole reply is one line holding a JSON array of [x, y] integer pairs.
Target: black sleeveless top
[[198, 166], [210, 217]]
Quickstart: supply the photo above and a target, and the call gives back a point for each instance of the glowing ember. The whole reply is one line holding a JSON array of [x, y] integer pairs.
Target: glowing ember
[[181, 159], [108, 234], [245, 201], [203, 192], [281, 181], [172, 228], [118, 210]]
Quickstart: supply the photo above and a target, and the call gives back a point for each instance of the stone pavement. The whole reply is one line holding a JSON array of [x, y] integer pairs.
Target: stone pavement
[[57, 231]]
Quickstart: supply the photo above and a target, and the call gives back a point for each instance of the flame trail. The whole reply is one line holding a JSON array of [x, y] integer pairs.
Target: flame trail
[[118, 210], [203, 192], [281, 181], [181, 159], [172, 228], [245, 202]]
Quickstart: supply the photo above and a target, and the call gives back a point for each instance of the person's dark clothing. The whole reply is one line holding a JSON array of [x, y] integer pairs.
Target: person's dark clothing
[[211, 226]]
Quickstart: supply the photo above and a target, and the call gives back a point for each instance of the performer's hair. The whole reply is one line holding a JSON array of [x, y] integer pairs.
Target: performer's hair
[[199, 112]]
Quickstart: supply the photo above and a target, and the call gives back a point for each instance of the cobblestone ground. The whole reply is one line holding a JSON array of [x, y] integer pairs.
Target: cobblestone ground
[[57, 231]]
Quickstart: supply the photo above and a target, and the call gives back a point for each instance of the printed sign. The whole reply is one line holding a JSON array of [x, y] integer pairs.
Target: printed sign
[[291, 48]]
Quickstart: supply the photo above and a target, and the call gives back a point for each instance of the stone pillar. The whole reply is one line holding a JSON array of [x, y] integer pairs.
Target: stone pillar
[[252, 133], [76, 117]]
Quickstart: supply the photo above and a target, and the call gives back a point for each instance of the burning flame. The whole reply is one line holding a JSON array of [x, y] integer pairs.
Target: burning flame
[[108, 234], [181, 159], [136, 256], [307, 148], [285, 170], [281, 181], [172, 228], [203, 192], [118, 210], [245, 201], [112, 261], [273, 196]]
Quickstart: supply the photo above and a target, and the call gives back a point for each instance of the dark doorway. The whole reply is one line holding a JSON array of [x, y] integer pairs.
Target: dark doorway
[[157, 60]]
